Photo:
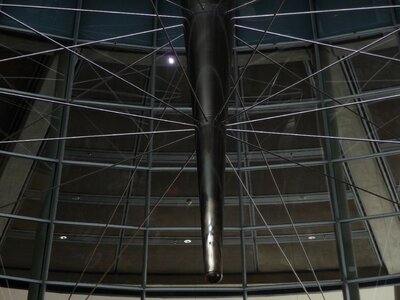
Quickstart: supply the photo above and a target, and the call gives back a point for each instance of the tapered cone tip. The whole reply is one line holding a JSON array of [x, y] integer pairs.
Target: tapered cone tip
[[214, 277]]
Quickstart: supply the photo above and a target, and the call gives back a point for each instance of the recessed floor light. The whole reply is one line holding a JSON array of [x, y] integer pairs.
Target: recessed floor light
[[187, 241], [63, 237]]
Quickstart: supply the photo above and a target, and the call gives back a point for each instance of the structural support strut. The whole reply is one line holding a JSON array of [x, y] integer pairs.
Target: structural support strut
[[208, 37]]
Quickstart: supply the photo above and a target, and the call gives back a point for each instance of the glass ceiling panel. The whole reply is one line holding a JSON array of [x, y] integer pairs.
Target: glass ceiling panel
[[377, 73], [17, 254], [334, 23], [58, 22], [295, 25], [167, 8], [96, 26], [96, 79]]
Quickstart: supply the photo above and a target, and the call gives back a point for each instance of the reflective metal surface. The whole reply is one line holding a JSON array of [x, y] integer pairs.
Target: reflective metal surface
[[208, 33]]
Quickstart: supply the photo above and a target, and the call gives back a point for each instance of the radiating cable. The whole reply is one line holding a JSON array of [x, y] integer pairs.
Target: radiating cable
[[132, 188], [88, 44], [178, 60], [315, 42], [268, 228], [2, 92], [95, 64], [112, 12], [316, 88], [142, 72], [131, 237], [318, 109], [96, 136], [232, 91], [130, 65], [113, 213], [322, 11], [241, 6], [313, 170], [33, 60], [285, 206], [371, 78], [110, 166], [26, 126], [116, 97], [329, 137], [319, 71]]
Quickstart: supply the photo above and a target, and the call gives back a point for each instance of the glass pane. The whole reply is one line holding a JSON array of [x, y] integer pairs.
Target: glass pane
[[168, 9], [270, 75], [59, 22], [95, 78], [306, 249], [334, 23], [22, 246], [375, 244], [377, 73], [296, 25], [96, 26], [79, 254], [34, 67]]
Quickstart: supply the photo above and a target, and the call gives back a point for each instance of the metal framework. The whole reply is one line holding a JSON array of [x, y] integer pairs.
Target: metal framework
[[249, 157]]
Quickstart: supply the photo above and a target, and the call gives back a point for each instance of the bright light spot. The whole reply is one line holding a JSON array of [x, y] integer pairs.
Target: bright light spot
[[187, 241], [63, 237], [312, 237], [171, 60]]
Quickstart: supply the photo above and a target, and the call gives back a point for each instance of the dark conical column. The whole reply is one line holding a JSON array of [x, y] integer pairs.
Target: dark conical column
[[208, 37]]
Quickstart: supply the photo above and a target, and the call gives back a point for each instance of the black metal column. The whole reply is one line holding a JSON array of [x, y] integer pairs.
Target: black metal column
[[208, 37]]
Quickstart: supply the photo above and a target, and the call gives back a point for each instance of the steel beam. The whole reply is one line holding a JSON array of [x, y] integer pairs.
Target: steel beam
[[337, 189], [278, 288], [45, 232]]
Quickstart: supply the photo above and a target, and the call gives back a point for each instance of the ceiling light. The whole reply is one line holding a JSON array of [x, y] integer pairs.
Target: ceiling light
[[171, 60], [312, 237], [187, 241], [63, 237]]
